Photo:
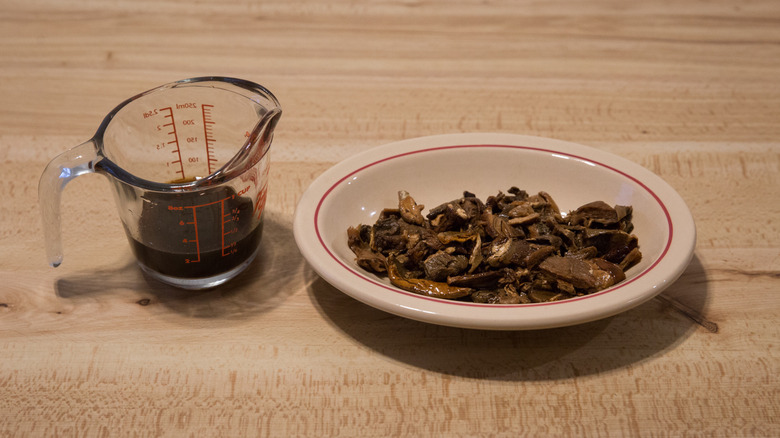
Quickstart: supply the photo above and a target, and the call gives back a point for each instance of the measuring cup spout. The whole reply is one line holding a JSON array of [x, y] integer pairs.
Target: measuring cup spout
[[61, 170], [255, 148]]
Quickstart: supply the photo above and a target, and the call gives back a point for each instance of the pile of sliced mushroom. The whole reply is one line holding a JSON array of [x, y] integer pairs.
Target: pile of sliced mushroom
[[512, 248]]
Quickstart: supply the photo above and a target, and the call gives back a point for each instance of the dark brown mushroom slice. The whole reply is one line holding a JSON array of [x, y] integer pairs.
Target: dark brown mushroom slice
[[523, 294], [440, 265], [437, 211], [417, 251], [578, 273], [472, 206], [624, 212], [498, 254], [587, 252], [480, 280], [428, 237], [505, 295], [498, 227], [549, 240], [502, 203], [527, 255], [597, 210], [508, 295], [360, 233], [564, 286], [468, 198], [518, 193], [484, 296], [553, 207], [546, 296], [615, 272], [447, 237], [364, 256], [631, 259], [456, 212], [423, 286], [387, 234], [540, 228], [389, 212], [625, 216], [505, 252], [540, 204], [567, 235], [539, 253], [599, 214], [613, 245], [494, 203], [520, 209], [420, 241], [542, 282], [451, 217], [524, 220], [409, 209]]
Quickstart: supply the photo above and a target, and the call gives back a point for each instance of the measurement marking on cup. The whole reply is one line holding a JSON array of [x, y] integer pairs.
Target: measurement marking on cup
[[230, 248], [175, 140], [209, 136], [225, 230], [194, 223]]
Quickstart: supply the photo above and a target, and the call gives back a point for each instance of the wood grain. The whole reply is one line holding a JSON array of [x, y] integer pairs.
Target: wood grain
[[688, 89]]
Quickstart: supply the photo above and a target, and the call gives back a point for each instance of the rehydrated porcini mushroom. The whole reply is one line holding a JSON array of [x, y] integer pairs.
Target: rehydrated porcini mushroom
[[514, 248], [440, 265], [358, 242], [409, 209], [424, 286], [590, 275]]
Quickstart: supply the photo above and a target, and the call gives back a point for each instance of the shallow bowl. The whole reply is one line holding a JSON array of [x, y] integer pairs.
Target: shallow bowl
[[438, 169]]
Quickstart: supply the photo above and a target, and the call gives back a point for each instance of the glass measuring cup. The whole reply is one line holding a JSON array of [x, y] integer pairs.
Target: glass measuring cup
[[189, 164]]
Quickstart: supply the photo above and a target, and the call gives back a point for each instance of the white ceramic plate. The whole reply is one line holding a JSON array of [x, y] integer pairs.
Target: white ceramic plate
[[438, 169]]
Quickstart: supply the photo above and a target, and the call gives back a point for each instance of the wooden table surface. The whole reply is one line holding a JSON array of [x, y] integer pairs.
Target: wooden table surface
[[689, 89]]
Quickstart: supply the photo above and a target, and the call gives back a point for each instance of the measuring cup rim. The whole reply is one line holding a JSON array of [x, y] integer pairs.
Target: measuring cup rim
[[106, 165]]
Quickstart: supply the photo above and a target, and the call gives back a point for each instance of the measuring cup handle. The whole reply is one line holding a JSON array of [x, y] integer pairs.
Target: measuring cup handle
[[63, 168]]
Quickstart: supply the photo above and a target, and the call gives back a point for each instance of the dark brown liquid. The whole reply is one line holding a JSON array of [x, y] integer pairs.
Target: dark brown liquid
[[211, 263], [196, 235]]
